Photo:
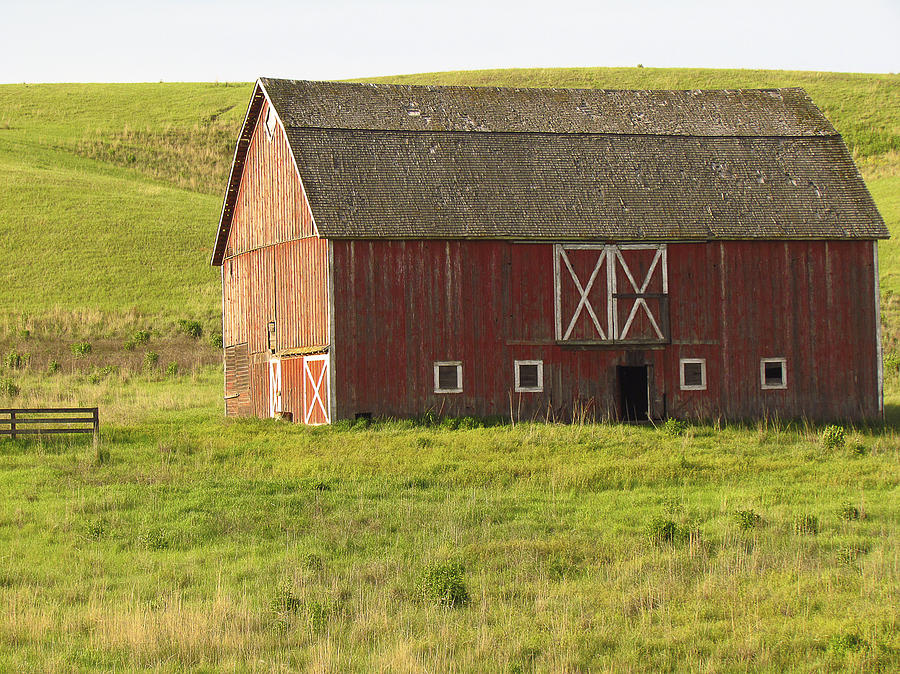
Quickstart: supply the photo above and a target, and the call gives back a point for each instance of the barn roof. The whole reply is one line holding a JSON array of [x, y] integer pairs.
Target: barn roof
[[392, 161]]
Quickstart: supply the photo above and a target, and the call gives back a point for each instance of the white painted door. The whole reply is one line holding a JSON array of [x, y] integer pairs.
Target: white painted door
[[275, 408]]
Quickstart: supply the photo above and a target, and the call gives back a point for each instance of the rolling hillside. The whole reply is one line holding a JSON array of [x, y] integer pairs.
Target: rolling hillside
[[111, 192]]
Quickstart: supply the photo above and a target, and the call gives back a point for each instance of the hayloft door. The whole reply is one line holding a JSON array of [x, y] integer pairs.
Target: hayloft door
[[275, 408], [315, 390]]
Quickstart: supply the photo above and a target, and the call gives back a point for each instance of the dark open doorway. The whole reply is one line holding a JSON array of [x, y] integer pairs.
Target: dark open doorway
[[634, 392]]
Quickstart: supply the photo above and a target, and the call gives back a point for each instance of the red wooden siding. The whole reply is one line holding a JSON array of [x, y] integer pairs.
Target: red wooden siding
[[404, 304], [275, 270]]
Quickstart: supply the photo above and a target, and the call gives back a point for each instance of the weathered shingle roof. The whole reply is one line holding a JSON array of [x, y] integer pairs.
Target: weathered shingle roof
[[389, 161]]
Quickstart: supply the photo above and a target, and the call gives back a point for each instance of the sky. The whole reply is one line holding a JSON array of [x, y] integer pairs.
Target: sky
[[232, 40]]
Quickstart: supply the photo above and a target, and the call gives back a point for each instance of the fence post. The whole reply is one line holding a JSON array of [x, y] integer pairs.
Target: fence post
[[95, 414], [12, 424]]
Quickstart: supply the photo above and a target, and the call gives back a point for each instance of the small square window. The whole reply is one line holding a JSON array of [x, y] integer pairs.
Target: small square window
[[693, 374], [529, 376], [773, 373], [448, 376]]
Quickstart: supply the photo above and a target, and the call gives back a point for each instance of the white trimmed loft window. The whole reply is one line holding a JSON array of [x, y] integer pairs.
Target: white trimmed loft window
[[773, 373], [529, 376], [692, 374], [448, 376], [271, 123]]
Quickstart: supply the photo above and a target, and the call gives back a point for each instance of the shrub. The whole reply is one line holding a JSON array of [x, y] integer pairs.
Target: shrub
[[747, 519], [444, 584], [140, 337], [96, 530], [81, 349], [216, 341], [833, 437], [191, 328], [151, 359], [15, 360], [849, 554], [846, 643], [662, 530], [129, 345], [891, 362], [172, 369], [153, 540], [285, 602], [849, 511], [94, 377], [807, 524], [53, 367], [675, 427], [9, 388]]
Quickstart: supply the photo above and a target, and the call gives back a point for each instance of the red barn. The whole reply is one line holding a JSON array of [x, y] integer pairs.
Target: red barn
[[390, 250]]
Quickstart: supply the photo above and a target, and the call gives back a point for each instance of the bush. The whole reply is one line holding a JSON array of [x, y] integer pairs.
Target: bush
[[172, 369], [151, 359], [191, 328], [216, 341], [747, 519], [94, 377], [807, 524], [53, 367], [81, 349], [15, 361], [833, 437], [444, 584], [846, 643], [675, 427], [8, 388], [849, 511], [140, 337], [849, 554], [891, 362], [129, 345], [662, 530], [153, 540]]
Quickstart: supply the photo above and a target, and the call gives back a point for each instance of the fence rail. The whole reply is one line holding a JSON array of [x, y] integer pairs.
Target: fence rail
[[35, 421]]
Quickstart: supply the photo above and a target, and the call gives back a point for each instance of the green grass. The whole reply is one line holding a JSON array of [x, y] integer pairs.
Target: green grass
[[209, 544]]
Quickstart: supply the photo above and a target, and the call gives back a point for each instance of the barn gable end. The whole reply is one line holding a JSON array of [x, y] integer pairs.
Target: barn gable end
[[274, 269]]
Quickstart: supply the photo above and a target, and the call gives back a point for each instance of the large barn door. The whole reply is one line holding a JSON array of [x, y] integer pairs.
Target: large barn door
[[611, 293], [640, 293], [315, 390]]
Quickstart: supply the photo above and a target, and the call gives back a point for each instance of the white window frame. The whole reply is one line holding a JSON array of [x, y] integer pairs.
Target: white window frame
[[762, 373], [437, 380], [540, 376], [685, 361]]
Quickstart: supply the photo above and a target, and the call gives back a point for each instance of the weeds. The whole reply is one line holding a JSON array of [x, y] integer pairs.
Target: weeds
[[9, 388], [16, 361], [849, 512], [675, 427], [747, 519], [661, 531], [806, 524], [191, 328], [81, 349], [833, 437], [172, 369], [444, 584], [151, 360]]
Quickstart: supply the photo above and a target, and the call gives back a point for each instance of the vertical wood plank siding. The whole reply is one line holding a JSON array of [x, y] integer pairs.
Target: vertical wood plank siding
[[402, 305], [275, 267]]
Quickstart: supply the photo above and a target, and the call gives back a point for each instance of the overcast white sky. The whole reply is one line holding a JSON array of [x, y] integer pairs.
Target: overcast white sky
[[229, 40]]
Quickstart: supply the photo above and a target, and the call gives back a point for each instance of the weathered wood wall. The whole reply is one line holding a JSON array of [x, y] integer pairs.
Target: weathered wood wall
[[402, 305], [275, 269]]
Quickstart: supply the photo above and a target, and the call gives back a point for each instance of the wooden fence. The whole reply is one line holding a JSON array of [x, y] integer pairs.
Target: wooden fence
[[50, 421]]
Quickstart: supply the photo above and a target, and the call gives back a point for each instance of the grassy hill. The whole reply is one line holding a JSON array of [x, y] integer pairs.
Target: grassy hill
[[111, 192]]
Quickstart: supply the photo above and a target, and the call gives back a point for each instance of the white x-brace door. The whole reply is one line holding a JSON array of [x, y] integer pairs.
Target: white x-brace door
[[616, 287], [315, 390]]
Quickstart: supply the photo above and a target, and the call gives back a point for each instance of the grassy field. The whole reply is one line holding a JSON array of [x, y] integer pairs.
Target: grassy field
[[202, 544], [189, 542]]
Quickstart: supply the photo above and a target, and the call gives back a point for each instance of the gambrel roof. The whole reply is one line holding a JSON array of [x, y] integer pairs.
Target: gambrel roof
[[392, 161]]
